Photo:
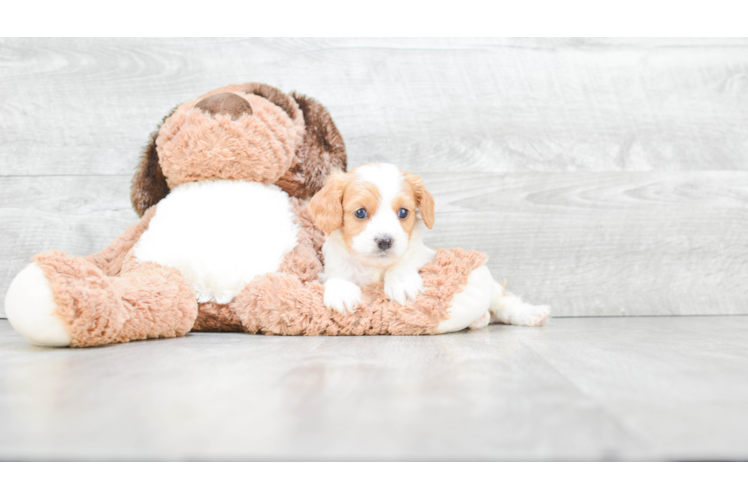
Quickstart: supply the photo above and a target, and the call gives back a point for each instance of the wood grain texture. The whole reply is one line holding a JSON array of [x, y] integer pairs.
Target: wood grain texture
[[603, 176], [78, 106], [77, 214], [575, 389], [598, 244], [606, 244]]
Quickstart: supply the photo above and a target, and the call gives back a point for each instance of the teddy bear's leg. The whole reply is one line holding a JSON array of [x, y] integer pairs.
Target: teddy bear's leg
[[60, 300], [469, 306]]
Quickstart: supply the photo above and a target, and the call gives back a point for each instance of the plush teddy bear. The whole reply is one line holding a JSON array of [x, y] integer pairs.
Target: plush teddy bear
[[226, 241]]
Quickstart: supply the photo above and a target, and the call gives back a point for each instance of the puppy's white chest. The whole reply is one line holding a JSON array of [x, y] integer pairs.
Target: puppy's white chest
[[377, 275], [220, 235]]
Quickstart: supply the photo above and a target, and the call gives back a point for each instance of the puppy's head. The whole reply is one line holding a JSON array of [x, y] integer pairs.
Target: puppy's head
[[376, 208]]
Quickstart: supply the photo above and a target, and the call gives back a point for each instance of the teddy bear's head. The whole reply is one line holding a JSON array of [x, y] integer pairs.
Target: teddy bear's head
[[251, 132]]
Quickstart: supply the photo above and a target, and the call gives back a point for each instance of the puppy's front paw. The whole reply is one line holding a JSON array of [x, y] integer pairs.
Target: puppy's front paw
[[341, 295], [402, 287]]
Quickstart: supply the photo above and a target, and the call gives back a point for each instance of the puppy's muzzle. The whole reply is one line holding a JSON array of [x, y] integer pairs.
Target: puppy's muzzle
[[384, 243]]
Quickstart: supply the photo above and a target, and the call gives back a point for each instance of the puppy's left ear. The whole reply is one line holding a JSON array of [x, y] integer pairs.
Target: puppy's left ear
[[327, 205], [423, 198]]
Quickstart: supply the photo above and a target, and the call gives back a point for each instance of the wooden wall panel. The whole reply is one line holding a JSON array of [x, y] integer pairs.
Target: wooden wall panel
[[604, 176], [604, 244], [88, 105]]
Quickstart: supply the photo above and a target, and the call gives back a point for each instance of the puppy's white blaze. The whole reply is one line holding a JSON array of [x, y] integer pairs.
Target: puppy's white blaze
[[195, 230], [385, 176], [389, 181]]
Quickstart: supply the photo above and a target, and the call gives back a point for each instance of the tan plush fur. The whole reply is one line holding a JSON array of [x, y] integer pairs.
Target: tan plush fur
[[193, 145], [148, 301], [281, 304], [260, 135], [305, 261], [320, 151], [110, 259]]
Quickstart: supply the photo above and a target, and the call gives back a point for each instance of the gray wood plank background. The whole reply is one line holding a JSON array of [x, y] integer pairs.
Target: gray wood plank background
[[603, 176]]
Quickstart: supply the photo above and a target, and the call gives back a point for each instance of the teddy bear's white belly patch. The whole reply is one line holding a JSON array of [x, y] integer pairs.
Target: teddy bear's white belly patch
[[220, 235]]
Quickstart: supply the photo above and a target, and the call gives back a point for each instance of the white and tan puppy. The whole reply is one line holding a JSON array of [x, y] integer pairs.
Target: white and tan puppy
[[375, 218]]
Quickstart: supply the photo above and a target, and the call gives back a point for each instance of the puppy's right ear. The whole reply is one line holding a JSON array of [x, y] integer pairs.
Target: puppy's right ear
[[423, 198], [327, 205], [149, 184]]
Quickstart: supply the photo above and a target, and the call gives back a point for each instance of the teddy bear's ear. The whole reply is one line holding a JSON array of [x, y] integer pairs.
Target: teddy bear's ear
[[273, 95], [149, 184], [323, 149]]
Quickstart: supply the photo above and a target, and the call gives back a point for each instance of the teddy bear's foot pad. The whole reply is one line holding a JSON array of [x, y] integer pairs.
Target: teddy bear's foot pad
[[471, 303], [30, 308]]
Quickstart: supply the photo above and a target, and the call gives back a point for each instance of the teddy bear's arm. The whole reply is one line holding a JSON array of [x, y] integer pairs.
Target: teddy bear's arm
[[61, 300], [305, 261], [281, 304], [110, 259]]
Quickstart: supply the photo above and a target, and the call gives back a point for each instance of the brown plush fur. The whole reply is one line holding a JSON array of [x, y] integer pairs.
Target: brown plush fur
[[318, 150], [148, 301], [193, 145], [225, 104], [305, 261], [281, 304], [291, 140], [149, 184], [286, 103], [212, 317], [134, 301], [110, 259], [322, 152]]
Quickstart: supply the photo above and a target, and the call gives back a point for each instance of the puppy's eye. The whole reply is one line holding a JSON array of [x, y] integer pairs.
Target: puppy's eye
[[403, 213], [360, 213]]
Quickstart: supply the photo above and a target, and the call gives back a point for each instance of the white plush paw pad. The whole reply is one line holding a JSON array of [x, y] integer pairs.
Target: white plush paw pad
[[402, 287], [341, 295], [470, 303], [30, 308], [480, 322]]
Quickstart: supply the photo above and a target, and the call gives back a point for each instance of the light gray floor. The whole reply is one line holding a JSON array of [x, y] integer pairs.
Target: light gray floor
[[591, 388]]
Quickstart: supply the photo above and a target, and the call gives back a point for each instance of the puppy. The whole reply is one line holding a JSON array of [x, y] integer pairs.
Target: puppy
[[375, 217]]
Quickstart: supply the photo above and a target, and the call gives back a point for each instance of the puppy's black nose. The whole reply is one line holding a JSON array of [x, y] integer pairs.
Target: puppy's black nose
[[384, 243]]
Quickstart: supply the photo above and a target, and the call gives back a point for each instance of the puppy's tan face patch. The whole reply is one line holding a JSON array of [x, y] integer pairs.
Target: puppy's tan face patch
[[358, 196], [404, 206]]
